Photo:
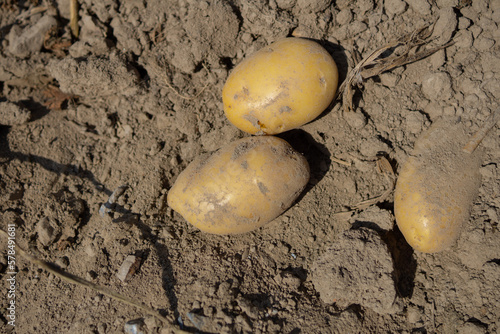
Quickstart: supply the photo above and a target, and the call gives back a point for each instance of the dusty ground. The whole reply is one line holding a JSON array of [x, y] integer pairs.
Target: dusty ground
[[138, 96]]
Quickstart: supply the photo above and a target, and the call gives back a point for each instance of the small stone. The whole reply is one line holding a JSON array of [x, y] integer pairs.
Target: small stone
[[422, 7], [389, 79], [395, 7], [199, 321], [47, 231], [136, 326], [286, 4], [152, 323], [413, 315], [63, 262], [30, 40], [355, 119], [128, 268], [437, 86]]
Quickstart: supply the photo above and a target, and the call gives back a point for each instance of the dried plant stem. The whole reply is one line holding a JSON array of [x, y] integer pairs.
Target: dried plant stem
[[105, 291], [340, 162], [478, 137], [384, 167], [405, 50], [73, 19]]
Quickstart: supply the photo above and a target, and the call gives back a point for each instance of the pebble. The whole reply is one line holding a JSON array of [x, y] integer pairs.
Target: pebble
[[47, 231], [136, 326], [413, 315], [355, 119], [394, 7], [128, 268], [437, 86], [199, 321], [63, 262], [421, 6], [389, 79], [30, 40]]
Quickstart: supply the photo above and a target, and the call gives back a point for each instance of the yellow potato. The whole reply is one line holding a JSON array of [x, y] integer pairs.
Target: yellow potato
[[280, 87], [240, 187], [436, 188]]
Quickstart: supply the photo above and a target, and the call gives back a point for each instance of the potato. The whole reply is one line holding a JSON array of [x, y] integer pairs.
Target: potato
[[240, 187], [436, 188], [280, 87]]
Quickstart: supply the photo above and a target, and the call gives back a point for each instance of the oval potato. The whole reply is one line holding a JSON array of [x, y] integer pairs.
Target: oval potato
[[436, 188], [280, 87], [240, 187]]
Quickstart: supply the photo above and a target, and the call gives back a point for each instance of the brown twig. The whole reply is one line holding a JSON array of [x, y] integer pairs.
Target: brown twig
[[384, 167], [73, 19], [478, 137]]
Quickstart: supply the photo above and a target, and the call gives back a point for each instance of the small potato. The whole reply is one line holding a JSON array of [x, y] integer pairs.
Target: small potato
[[240, 187], [436, 188], [280, 87]]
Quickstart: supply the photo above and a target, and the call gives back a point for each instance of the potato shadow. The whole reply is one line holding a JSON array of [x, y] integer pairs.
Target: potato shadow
[[6, 156], [316, 154], [167, 276], [39, 111], [405, 264]]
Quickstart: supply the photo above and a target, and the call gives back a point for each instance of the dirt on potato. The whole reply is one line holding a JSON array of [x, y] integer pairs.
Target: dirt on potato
[[137, 97]]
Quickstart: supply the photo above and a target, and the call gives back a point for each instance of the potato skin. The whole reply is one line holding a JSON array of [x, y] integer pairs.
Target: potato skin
[[240, 187], [280, 87], [436, 188]]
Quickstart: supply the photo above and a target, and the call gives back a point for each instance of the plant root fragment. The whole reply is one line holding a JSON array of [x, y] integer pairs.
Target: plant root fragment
[[405, 50]]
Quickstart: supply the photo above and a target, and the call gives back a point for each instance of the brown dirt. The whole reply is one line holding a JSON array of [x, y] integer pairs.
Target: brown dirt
[[139, 97]]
